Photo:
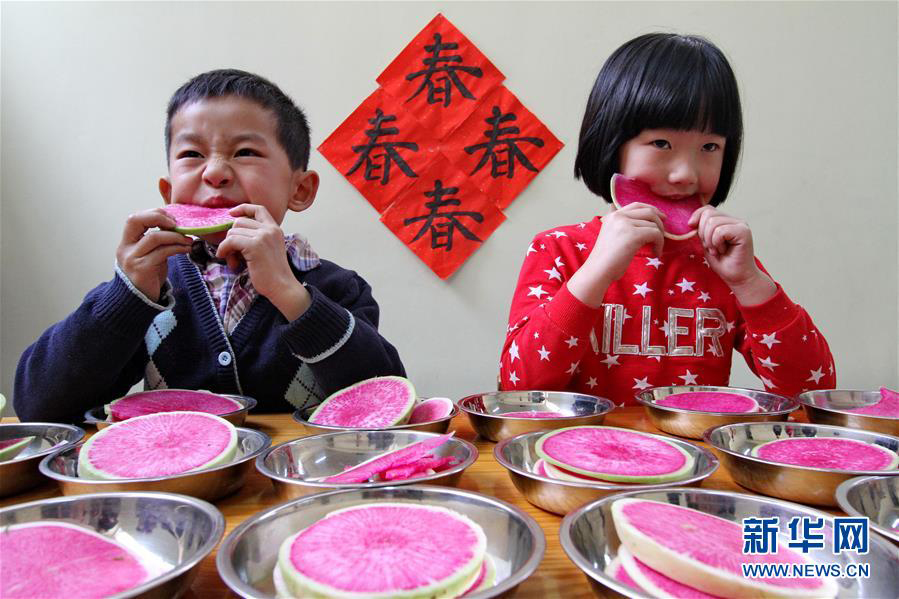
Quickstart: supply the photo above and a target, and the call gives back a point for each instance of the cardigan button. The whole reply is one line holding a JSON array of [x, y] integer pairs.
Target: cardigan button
[[224, 358]]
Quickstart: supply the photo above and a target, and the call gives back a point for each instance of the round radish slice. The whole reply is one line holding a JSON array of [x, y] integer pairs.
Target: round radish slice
[[553, 471], [886, 407], [199, 220], [170, 400], [616, 571], [615, 454], [156, 445], [392, 459], [384, 550], [58, 559], [655, 583], [827, 452], [706, 552], [486, 577], [626, 190], [374, 403], [710, 401], [10, 448], [432, 409]]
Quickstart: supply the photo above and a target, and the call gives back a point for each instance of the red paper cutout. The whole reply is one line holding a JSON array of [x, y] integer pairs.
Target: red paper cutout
[[380, 140], [440, 76], [443, 218], [501, 147]]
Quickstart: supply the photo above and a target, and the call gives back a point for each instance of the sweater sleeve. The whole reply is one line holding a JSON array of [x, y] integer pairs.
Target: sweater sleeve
[[783, 347], [88, 359], [549, 329]]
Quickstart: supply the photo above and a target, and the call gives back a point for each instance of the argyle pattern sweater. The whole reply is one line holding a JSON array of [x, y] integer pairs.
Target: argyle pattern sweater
[[670, 320], [116, 337]]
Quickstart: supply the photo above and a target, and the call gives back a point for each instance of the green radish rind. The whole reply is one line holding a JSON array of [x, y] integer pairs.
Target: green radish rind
[[402, 412], [694, 573], [674, 475], [11, 451], [2, 402], [894, 457], [299, 585], [88, 471]]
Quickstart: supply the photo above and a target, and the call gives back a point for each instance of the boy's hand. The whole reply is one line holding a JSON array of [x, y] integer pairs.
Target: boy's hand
[[257, 238], [624, 231], [142, 256], [727, 242]]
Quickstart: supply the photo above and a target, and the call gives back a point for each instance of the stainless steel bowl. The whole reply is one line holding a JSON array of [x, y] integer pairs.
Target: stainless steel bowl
[[248, 555], [734, 442], [691, 423], [434, 426], [209, 484], [589, 538], [21, 472], [875, 498], [829, 407], [297, 467], [486, 411], [518, 456], [170, 531], [97, 416]]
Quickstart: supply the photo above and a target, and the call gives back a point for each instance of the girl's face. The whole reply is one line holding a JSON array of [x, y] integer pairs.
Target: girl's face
[[675, 164]]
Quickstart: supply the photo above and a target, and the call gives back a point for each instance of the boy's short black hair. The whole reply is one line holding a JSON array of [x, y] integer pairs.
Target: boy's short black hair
[[292, 127], [659, 81]]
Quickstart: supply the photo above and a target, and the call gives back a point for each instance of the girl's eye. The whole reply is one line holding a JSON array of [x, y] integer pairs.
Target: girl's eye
[[189, 154], [661, 144], [246, 152], [711, 147]]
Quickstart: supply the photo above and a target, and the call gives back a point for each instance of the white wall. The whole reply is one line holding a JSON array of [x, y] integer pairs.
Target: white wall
[[84, 88]]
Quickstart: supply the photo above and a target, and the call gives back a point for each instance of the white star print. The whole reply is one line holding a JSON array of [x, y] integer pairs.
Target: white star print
[[553, 273], [689, 378], [805, 337], [592, 382], [536, 335], [731, 326], [581, 225], [704, 296], [642, 289], [559, 262], [656, 358], [542, 246], [530, 249], [544, 353], [581, 246], [611, 361], [816, 375], [664, 329], [558, 234], [641, 383], [767, 363], [831, 368], [671, 292], [513, 352], [572, 368], [769, 340], [537, 291], [572, 342], [654, 262], [513, 377], [625, 316], [685, 285], [768, 383]]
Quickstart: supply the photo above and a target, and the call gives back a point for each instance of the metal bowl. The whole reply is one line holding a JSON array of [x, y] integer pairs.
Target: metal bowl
[[21, 472], [248, 555], [486, 411], [692, 423], [589, 538], [434, 426], [875, 498], [297, 467], [97, 416], [829, 407], [209, 484], [734, 442], [171, 531], [518, 456]]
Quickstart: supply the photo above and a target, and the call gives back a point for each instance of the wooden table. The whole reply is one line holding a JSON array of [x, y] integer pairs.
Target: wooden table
[[556, 576]]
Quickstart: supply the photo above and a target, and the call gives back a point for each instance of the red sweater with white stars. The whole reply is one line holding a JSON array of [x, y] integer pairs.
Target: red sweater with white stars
[[670, 320]]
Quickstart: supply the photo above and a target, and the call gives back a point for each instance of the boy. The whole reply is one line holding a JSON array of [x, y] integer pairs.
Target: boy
[[249, 311]]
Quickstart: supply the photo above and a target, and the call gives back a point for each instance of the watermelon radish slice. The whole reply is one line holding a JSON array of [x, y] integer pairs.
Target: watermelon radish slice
[[616, 572], [827, 452], [486, 577], [378, 402], [655, 583], [423, 467], [534, 414], [432, 409], [710, 401], [10, 448], [553, 471], [157, 445], [368, 469], [170, 400], [58, 559], [626, 190], [191, 219], [384, 550], [615, 454], [886, 407], [706, 552]]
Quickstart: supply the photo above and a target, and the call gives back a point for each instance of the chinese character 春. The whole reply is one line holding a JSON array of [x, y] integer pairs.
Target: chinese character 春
[[496, 146], [760, 535], [390, 154], [442, 232], [850, 534], [435, 64], [802, 535]]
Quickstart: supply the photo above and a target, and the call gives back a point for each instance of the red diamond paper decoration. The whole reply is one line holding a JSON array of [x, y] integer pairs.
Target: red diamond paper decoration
[[502, 146], [443, 218]]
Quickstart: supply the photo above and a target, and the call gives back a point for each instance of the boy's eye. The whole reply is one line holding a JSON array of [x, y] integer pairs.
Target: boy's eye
[[661, 144], [189, 154], [711, 147], [246, 152]]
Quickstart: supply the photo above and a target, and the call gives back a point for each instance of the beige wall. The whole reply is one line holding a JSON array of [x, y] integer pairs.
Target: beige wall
[[84, 88]]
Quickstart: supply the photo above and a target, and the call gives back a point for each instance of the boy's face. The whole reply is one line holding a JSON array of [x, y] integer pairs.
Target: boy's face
[[225, 152]]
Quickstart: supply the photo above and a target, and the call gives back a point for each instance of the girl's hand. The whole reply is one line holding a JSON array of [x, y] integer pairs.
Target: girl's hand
[[727, 242], [624, 231], [143, 256], [258, 240]]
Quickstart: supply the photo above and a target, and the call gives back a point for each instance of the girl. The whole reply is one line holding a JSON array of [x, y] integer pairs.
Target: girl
[[610, 306]]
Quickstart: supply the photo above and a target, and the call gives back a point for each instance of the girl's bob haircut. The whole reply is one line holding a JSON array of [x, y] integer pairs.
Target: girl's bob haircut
[[659, 81]]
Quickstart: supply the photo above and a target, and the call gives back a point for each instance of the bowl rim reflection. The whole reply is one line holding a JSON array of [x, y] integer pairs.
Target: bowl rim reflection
[[607, 405], [804, 399], [297, 416], [458, 468], [92, 415], [201, 553], [643, 398], [79, 433], [842, 497]]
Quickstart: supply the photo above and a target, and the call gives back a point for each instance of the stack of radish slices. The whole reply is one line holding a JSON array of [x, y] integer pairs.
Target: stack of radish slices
[[386, 550], [412, 461], [170, 400], [710, 401]]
